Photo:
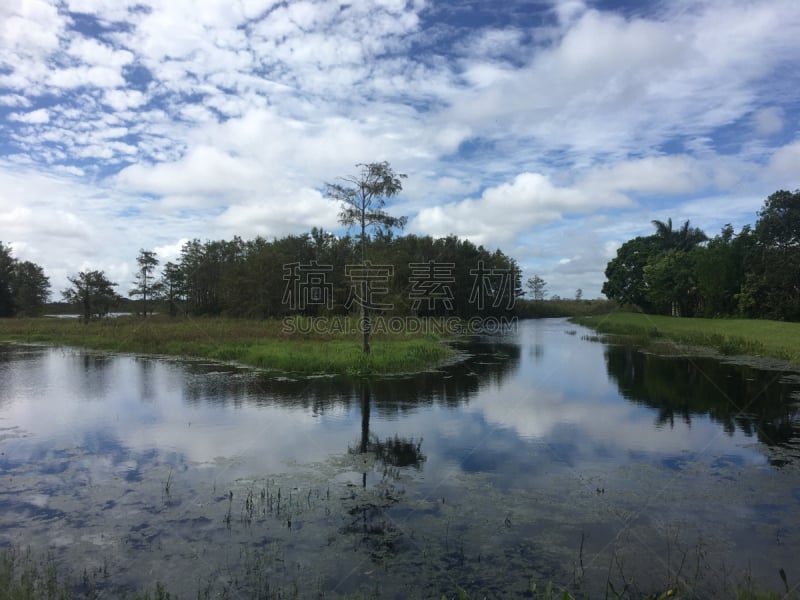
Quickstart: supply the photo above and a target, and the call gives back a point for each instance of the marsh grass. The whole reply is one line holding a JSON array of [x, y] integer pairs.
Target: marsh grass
[[750, 337], [26, 576], [264, 344]]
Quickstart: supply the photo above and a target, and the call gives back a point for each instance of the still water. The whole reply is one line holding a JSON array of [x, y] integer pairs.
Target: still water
[[542, 457]]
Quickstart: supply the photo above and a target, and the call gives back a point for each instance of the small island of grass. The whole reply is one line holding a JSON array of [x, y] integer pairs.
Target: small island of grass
[[267, 344]]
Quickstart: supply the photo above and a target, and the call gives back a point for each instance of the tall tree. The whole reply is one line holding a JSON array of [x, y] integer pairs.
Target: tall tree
[[362, 198], [7, 262], [147, 262], [172, 284], [720, 270], [31, 288], [92, 293], [772, 283], [537, 286], [685, 238], [625, 273], [671, 284]]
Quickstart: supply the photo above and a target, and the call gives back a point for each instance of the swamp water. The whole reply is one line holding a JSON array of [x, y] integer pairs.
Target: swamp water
[[543, 457]]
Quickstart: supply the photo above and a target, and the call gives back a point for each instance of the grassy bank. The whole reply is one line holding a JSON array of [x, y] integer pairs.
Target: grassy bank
[[775, 339], [299, 348]]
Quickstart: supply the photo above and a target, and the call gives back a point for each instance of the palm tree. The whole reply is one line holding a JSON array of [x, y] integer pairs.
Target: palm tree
[[685, 238]]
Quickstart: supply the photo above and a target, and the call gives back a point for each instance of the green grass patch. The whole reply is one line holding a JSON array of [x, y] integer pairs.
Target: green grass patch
[[268, 344], [751, 337]]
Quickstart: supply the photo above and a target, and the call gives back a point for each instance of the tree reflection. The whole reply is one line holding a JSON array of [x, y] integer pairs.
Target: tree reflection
[[367, 509], [489, 363], [399, 452], [756, 402]]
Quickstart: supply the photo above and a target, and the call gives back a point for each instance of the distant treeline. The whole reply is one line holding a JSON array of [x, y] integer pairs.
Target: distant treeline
[[319, 273], [316, 273], [755, 273]]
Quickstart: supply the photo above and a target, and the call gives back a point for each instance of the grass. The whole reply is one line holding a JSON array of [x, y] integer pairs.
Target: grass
[[24, 576], [751, 337], [269, 344]]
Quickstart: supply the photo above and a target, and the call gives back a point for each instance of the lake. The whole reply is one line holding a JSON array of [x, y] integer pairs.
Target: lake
[[544, 456]]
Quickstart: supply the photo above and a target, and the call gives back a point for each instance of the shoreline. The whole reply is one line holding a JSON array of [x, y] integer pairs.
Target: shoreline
[[748, 338], [259, 344]]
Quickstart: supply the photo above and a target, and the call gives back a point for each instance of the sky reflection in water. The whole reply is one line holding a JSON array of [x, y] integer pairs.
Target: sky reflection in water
[[539, 416]]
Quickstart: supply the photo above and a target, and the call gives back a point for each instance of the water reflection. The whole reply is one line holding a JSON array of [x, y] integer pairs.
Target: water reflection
[[490, 364], [486, 470], [393, 451], [758, 403]]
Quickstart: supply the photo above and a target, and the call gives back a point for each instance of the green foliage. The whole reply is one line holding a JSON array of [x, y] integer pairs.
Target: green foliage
[[625, 273], [720, 271], [361, 204], [363, 196], [25, 577], [670, 283], [771, 286], [6, 282], [31, 288], [24, 288], [92, 293], [249, 279], [537, 286], [685, 238], [755, 273], [146, 286]]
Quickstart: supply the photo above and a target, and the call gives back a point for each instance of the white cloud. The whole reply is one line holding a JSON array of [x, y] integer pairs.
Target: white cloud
[[124, 99], [503, 212], [14, 100], [768, 121], [235, 112], [676, 174], [295, 212], [783, 166], [35, 116], [29, 29], [170, 252]]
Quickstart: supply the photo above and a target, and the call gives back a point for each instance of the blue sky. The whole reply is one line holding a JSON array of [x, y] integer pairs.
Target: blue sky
[[552, 129]]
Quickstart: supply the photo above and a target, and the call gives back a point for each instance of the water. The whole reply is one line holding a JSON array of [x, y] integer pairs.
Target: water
[[543, 457]]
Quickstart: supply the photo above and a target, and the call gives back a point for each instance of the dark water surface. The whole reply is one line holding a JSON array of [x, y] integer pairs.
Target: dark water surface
[[543, 457]]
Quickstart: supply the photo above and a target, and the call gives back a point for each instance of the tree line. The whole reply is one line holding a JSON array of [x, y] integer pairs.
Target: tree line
[[24, 288], [309, 274], [315, 273], [754, 273]]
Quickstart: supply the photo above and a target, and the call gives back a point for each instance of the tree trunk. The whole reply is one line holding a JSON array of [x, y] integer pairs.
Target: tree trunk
[[365, 323], [365, 407]]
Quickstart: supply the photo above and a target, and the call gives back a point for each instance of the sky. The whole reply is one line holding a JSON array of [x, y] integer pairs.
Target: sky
[[555, 130]]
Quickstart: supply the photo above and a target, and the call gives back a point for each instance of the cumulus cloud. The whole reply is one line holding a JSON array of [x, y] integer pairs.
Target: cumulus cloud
[[35, 116], [504, 211], [676, 174], [238, 113]]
